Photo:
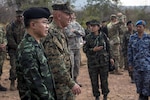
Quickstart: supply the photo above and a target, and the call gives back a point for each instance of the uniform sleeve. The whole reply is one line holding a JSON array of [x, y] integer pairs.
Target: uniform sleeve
[[4, 40], [109, 49], [9, 34], [57, 63], [32, 74]]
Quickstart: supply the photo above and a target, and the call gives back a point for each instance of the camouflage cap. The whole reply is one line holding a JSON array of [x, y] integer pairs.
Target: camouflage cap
[[94, 22], [65, 7], [19, 12], [113, 15]]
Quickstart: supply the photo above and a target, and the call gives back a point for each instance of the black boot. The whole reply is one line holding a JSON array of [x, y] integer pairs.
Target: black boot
[[142, 97], [12, 85], [2, 88], [105, 97], [132, 78], [97, 98]]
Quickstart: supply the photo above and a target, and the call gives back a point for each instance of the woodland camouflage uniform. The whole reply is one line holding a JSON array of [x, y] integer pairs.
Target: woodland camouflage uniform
[[56, 48]]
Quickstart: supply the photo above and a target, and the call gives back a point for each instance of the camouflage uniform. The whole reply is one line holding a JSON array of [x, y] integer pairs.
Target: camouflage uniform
[[35, 81], [59, 59], [139, 59], [74, 46], [113, 35], [14, 32], [3, 40], [122, 31], [98, 62], [126, 37]]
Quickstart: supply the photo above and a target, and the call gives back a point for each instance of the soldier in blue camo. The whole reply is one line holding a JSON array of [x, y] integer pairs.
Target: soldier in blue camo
[[35, 80], [99, 54], [139, 59], [58, 54], [3, 43], [14, 32]]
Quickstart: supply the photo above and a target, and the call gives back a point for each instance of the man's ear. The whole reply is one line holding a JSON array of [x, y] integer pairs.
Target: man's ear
[[32, 24]]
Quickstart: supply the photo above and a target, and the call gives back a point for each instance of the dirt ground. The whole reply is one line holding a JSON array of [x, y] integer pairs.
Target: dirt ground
[[119, 85]]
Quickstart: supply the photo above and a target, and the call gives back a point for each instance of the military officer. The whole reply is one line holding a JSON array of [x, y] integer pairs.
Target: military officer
[[35, 80], [58, 54], [14, 31]]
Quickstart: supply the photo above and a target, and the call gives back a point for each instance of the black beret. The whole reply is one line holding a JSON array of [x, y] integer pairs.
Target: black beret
[[65, 7], [94, 22], [129, 22], [36, 12]]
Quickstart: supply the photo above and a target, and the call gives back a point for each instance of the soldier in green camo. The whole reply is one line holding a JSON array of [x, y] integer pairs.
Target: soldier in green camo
[[99, 54], [3, 43], [35, 79], [58, 54], [14, 32]]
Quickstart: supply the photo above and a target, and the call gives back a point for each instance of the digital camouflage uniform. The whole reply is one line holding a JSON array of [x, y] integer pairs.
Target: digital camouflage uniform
[[139, 59], [59, 59], [3, 40], [114, 37], [14, 32], [74, 46], [98, 62], [35, 81]]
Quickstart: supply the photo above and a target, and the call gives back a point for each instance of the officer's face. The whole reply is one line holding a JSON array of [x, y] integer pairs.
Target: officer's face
[[140, 28], [19, 18], [94, 28], [65, 19], [130, 26], [40, 27]]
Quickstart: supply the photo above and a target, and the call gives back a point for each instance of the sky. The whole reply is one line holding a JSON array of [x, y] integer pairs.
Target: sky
[[80, 3]]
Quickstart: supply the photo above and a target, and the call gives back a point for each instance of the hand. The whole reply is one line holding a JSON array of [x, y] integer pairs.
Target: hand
[[130, 68], [2, 45], [97, 48], [76, 89], [112, 61]]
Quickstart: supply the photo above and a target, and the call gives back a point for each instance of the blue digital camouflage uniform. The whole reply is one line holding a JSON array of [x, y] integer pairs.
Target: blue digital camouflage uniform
[[74, 46], [35, 81], [139, 58], [57, 52], [3, 40], [14, 33], [98, 62]]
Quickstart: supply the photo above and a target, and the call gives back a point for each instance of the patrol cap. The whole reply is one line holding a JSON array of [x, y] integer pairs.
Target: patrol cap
[[140, 22], [94, 22], [65, 7], [112, 15], [19, 12]]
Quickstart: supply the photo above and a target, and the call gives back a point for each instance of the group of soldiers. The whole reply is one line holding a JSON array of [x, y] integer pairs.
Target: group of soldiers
[[40, 58], [41, 61]]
